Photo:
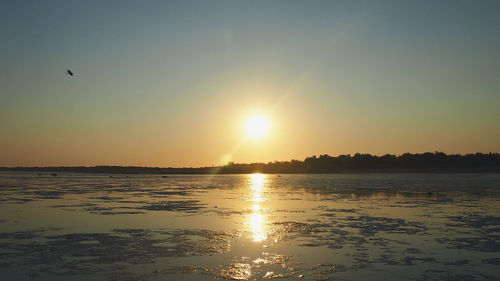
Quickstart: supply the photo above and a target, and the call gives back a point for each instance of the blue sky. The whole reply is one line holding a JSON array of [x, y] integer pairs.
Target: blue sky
[[170, 83]]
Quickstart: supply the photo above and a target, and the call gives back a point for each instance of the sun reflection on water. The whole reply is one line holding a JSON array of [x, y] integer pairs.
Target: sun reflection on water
[[257, 187], [256, 223], [256, 219]]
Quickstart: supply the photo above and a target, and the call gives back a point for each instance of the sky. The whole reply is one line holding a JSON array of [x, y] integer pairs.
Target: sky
[[173, 83]]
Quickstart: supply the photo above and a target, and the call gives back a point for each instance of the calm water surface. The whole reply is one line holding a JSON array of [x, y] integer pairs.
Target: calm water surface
[[250, 227]]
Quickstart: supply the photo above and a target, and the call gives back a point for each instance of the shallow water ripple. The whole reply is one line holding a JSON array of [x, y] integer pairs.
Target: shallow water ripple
[[250, 227]]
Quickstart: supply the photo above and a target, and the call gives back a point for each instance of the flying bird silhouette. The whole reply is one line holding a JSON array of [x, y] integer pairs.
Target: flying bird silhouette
[[69, 72]]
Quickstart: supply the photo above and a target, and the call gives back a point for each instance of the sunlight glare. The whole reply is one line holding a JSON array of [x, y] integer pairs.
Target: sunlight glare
[[257, 227], [257, 186], [256, 219], [257, 127], [257, 181]]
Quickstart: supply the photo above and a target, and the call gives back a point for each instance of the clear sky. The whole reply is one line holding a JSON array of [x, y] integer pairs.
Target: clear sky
[[172, 83]]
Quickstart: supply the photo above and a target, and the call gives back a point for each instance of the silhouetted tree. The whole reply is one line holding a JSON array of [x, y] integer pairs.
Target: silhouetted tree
[[406, 162]]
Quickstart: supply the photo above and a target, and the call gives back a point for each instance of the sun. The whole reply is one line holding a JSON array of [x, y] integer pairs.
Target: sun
[[257, 127]]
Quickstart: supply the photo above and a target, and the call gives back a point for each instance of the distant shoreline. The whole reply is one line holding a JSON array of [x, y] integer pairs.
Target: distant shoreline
[[50, 170], [436, 162]]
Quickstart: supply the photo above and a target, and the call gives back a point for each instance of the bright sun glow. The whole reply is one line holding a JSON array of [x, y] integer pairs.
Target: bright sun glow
[[257, 126]]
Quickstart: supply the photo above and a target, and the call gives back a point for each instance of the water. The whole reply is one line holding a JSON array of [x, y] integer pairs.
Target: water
[[250, 227]]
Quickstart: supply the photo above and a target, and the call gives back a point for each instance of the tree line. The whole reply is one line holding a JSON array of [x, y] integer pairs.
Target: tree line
[[424, 162], [362, 163]]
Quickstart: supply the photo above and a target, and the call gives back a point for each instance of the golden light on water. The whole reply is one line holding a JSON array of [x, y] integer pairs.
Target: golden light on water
[[257, 182], [256, 219], [256, 223], [257, 187]]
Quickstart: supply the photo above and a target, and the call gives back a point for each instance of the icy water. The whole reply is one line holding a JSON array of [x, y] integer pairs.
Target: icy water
[[250, 227]]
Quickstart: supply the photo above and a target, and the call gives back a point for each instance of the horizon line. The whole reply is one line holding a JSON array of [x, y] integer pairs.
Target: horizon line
[[253, 163]]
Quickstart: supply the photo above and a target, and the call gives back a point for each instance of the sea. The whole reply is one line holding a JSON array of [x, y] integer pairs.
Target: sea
[[70, 226]]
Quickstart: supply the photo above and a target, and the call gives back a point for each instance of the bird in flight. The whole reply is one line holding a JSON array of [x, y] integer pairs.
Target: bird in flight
[[69, 72]]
